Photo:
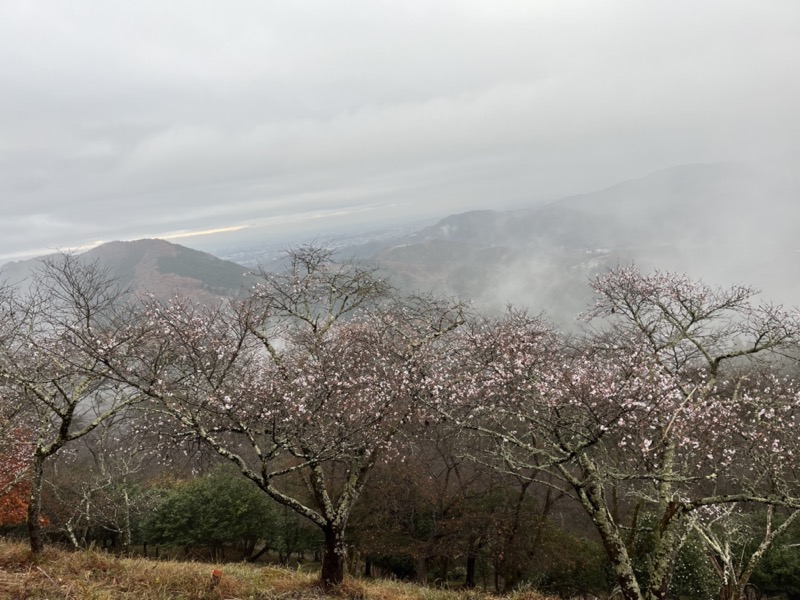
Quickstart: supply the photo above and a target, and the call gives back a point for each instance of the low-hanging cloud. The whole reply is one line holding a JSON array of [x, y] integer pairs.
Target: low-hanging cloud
[[150, 118]]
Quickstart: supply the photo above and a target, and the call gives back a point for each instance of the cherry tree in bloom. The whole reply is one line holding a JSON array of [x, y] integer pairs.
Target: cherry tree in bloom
[[679, 401], [311, 378], [52, 376]]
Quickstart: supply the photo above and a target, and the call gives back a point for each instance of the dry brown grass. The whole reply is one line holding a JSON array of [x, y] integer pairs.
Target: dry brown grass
[[91, 575]]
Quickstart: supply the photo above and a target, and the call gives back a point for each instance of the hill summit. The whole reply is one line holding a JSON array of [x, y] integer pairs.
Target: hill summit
[[156, 266]]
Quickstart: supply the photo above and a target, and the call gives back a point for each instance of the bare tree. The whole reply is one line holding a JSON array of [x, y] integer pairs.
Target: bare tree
[[14, 416], [726, 532], [72, 312], [99, 489]]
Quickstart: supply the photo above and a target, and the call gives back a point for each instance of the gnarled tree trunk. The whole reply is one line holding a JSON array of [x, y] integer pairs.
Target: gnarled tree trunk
[[35, 505], [334, 556]]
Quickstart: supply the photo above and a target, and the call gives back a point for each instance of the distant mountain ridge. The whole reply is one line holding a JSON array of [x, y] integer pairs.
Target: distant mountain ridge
[[726, 223], [158, 267], [629, 213]]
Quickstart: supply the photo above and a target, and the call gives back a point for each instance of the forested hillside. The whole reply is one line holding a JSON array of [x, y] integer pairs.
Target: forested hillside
[[151, 266]]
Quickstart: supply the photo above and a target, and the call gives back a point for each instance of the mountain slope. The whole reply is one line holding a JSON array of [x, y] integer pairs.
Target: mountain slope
[[156, 266], [725, 223]]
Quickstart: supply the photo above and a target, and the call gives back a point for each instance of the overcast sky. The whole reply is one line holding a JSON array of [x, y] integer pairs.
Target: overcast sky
[[121, 120]]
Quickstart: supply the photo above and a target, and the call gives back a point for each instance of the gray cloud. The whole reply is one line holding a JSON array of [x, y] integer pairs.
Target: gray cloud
[[125, 119]]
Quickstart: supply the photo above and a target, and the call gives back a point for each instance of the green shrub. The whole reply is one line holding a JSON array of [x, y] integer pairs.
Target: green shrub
[[213, 511]]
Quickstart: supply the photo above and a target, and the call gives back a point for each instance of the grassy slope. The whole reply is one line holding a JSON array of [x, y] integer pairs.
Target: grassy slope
[[91, 575]]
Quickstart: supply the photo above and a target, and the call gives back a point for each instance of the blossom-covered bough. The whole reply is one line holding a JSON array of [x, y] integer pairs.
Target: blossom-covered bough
[[684, 399], [304, 384]]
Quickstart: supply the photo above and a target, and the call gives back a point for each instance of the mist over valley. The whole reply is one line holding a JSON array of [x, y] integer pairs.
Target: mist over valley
[[724, 223]]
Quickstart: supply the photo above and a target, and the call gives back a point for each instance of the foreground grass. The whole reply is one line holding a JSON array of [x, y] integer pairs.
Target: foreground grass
[[91, 575]]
